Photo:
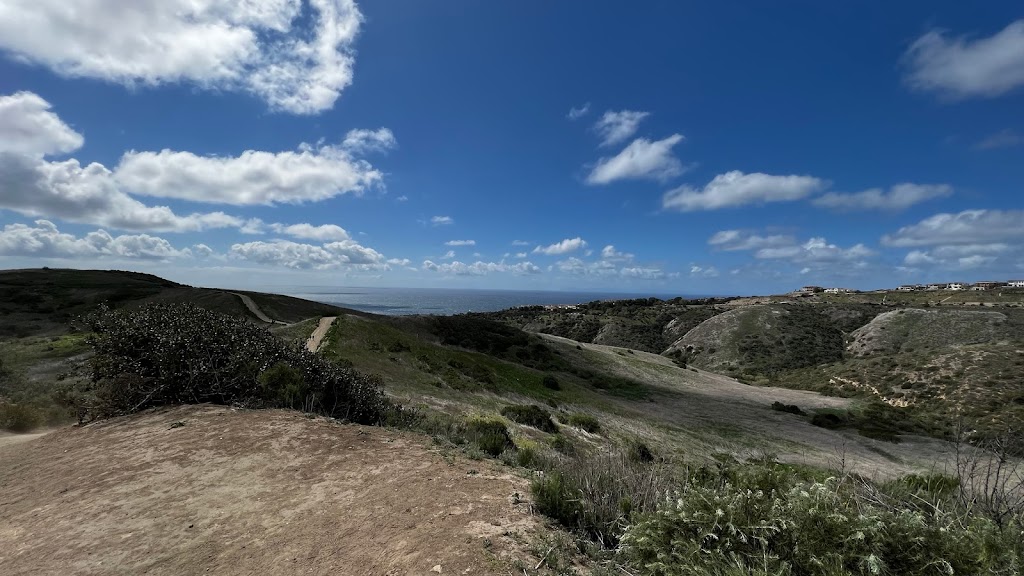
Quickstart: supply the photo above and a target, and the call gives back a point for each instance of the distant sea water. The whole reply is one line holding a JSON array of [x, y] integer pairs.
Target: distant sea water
[[445, 301]]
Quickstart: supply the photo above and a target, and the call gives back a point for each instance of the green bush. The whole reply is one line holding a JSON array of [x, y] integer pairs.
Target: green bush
[[809, 528], [182, 354], [584, 422], [598, 496], [20, 418], [530, 415], [490, 436], [550, 382]]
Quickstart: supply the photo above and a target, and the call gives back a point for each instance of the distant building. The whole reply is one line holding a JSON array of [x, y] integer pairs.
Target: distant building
[[986, 285], [811, 289], [956, 286], [1015, 283], [838, 290], [934, 287], [907, 288]]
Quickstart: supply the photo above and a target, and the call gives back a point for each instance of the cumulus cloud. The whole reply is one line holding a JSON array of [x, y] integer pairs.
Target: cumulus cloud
[[577, 113], [963, 228], [704, 272], [899, 197], [478, 268], [89, 195], [297, 56], [324, 232], [44, 240], [648, 273], [449, 255], [963, 68], [202, 251], [28, 127], [642, 159], [309, 174], [731, 240], [361, 141], [735, 188], [611, 254], [816, 250], [521, 243], [442, 220], [299, 256], [563, 247], [460, 243], [615, 127]]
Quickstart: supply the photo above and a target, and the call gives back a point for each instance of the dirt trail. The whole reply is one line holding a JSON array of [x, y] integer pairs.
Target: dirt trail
[[206, 489], [255, 309], [701, 400], [10, 439], [317, 337]]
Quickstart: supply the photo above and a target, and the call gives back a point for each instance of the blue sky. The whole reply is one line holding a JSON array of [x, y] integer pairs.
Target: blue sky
[[663, 147]]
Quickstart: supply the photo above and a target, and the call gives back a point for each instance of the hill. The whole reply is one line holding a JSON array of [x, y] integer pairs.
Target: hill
[[41, 302]]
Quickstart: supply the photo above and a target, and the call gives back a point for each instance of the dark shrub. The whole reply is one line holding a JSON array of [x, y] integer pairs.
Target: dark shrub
[[530, 415], [827, 420], [182, 354], [787, 408], [640, 452], [550, 382]]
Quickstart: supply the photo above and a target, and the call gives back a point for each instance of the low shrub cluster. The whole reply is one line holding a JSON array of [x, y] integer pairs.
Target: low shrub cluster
[[584, 422], [787, 408], [182, 354], [530, 415], [760, 522]]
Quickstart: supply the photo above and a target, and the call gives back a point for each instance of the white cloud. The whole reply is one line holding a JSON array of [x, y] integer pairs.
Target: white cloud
[[521, 243], [28, 127], [323, 233], [346, 253], [402, 199], [89, 195], [1003, 139], [254, 177], [816, 250], [704, 272], [641, 159], [563, 247], [611, 254], [731, 240], [963, 68], [645, 273], [44, 240], [361, 141], [202, 251], [957, 257], [615, 127], [449, 255], [480, 268], [460, 243], [577, 113], [735, 188], [297, 63], [399, 262], [965, 228], [520, 255], [899, 197], [442, 220]]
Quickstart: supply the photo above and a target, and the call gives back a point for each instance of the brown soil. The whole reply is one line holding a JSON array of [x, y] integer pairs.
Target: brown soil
[[317, 337], [252, 492]]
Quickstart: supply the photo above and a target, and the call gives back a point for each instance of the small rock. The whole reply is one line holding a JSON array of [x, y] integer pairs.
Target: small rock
[[436, 569]]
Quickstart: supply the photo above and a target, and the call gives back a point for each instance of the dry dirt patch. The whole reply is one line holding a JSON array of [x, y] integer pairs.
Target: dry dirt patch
[[251, 492]]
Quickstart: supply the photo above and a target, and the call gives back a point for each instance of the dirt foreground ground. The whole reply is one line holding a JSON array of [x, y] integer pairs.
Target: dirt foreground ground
[[210, 490]]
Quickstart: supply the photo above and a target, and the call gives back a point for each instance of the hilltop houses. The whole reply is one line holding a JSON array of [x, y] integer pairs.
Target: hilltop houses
[[1015, 283], [956, 286]]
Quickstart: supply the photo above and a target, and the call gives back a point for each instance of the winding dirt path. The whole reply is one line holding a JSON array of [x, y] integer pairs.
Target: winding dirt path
[[255, 309], [210, 490], [317, 337]]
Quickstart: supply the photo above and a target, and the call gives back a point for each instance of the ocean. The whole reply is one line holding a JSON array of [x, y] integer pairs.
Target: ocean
[[444, 301]]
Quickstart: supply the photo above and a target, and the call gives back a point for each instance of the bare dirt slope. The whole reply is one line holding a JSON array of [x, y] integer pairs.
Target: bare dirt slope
[[255, 309], [317, 337], [251, 492]]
